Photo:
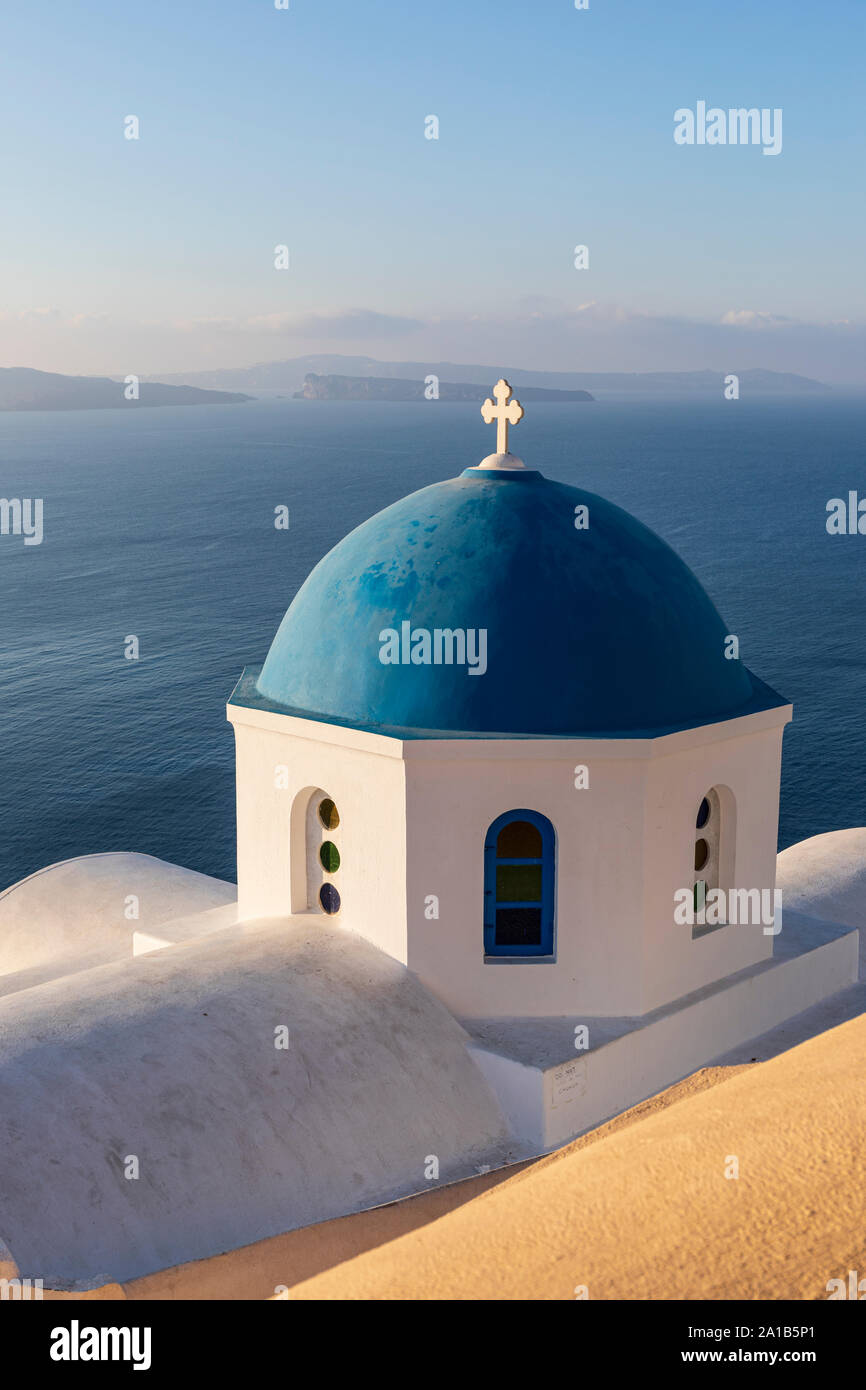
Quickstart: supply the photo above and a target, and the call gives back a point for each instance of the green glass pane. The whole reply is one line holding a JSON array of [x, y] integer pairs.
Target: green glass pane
[[518, 883], [330, 857], [520, 839]]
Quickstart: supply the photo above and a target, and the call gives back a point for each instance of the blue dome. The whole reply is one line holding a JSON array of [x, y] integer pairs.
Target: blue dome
[[600, 631]]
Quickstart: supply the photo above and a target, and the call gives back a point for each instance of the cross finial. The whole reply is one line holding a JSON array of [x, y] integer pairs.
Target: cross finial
[[504, 414]]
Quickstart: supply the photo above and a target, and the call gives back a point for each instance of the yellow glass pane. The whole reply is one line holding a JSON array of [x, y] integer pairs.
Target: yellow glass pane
[[518, 883]]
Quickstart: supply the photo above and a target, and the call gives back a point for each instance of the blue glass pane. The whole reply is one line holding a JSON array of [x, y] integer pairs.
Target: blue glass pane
[[518, 926], [329, 898]]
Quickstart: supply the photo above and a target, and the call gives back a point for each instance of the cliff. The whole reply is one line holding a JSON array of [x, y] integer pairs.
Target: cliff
[[372, 388], [23, 388]]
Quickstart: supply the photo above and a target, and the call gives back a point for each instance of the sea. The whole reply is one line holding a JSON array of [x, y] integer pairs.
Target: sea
[[159, 525]]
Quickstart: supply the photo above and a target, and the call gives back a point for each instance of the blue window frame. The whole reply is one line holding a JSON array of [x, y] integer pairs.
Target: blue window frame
[[519, 897]]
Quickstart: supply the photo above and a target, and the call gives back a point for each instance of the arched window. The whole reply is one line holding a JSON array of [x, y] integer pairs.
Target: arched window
[[519, 854], [712, 868], [316, 853]]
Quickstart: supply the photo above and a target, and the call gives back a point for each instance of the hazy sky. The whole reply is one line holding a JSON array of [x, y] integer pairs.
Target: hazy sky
[[306, 127]]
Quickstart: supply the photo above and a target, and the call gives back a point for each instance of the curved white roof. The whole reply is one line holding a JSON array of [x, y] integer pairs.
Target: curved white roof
[[825, 876], [170, 1057], [75, 912]]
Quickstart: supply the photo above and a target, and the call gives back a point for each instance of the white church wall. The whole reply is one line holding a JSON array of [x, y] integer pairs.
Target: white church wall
[[676, 1041], [413, 821], [625, 842], [454, 791], [283, 763], [742, 762]]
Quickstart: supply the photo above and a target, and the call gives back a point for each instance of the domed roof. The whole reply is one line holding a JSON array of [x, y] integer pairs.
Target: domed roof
[[602, 630]]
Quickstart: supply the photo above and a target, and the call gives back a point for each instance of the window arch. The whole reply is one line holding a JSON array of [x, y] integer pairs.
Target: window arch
[[713, 857], [316, 853], [519, 885]]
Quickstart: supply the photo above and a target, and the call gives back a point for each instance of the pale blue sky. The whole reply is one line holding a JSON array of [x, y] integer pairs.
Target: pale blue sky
[[306, 127]]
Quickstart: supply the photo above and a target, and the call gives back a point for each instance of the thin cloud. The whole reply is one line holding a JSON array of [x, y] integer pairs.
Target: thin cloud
[[753, 318], [351, 324], [536, 332], [22, 315]]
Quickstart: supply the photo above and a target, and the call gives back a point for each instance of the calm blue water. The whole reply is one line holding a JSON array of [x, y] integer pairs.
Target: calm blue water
[[160, 523]]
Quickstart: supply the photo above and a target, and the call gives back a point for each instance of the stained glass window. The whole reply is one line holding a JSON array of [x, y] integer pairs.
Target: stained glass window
[[519, 886], [707, 870]]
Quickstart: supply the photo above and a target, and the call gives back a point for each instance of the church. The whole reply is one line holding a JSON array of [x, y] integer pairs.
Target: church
[[501, 738]]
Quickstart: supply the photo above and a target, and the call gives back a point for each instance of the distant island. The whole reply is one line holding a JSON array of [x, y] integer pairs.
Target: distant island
[[380, 388], [289, 376], [23, 388]]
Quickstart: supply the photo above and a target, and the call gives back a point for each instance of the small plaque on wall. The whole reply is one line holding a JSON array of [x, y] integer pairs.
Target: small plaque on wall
[[569, 1082]]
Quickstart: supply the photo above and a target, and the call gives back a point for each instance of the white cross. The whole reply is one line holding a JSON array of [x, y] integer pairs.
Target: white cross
[[503, 414]]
